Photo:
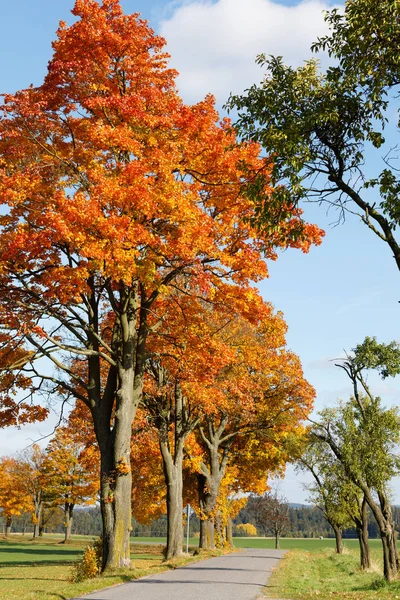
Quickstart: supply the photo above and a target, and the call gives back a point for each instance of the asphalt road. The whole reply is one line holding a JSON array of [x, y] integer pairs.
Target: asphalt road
[[239, 576]]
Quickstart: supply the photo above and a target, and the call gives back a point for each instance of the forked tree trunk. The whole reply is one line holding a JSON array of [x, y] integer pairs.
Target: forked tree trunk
[[113, 410], [362, 533], [173, 479], [383, 516], [209, 480]]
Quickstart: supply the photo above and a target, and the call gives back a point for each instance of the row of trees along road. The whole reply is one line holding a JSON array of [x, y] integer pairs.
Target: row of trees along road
[[125, 210], [322, 129]]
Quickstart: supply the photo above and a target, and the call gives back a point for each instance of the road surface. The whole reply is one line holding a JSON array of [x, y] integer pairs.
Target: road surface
[[238, 576]]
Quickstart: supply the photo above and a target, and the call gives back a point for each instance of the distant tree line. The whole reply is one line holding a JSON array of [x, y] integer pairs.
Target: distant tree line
[[304, 522]]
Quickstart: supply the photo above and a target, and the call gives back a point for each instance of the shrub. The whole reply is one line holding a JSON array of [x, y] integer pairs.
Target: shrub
[[89, 566]]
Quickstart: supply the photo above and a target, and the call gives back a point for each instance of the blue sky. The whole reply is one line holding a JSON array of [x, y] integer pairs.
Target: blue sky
[[332, 297]]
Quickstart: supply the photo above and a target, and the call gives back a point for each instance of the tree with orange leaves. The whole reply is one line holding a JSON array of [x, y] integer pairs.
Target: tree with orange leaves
[[72, 473], [263, 398], [14, 498], [116, 194], [35, 482]]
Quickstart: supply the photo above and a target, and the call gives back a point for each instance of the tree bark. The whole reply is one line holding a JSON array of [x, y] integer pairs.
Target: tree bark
[[338, 539], [383, 516], [207, 503], [277, 541], [362, 533], [173, 479], [38, 518], [209, 480], [8, 525], [69, 517], [229, 536]]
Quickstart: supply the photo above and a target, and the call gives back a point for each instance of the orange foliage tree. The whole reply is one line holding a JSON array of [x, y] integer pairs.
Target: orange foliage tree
[[14, 498], [116, 193], [72, 472], [35, 482], [260, 400]]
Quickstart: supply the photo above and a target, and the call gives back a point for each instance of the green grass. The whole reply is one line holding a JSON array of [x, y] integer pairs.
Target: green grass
[[298, 543], [324, 575], [269, 543], [40, 570]]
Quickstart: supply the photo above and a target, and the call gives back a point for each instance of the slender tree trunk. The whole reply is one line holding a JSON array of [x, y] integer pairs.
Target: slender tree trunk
[[38, 518], [362, 533], [338, 539], [69, 512], [277, 540], [229, 536]]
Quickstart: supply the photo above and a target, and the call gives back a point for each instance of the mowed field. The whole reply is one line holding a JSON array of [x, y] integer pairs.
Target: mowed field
[[31, 570], [42, 570], [308, 544]]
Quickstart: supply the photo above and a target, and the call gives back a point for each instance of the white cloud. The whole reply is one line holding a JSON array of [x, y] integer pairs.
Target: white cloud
[[214, 44]]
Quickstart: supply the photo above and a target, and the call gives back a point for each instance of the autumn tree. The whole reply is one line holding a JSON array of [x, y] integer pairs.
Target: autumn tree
[[73, 474], [115, 193], [184, 358], [14, 499], [263, 399], [323, 128], [35, 482]]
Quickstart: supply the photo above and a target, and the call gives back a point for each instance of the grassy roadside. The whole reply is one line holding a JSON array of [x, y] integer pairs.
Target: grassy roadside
[[32, 570], [324, 575]]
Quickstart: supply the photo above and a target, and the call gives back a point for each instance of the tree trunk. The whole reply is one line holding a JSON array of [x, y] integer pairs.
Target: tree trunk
[[229, 537], [384, 520], [209, 481], [8, 525], [362, 533], [207, 503], [207, 540], [277, 541], [173, 479], [338, 538], [219, 531], [38, 518], [113, 411], [69, 511], [115, 502]]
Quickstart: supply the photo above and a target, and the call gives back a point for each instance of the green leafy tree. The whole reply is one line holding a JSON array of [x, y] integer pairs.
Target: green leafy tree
[[321, 127], [339, 500], [363, 436]]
